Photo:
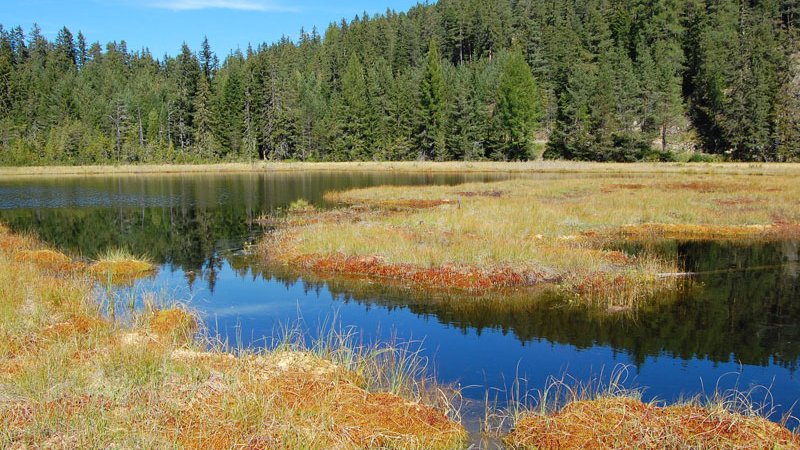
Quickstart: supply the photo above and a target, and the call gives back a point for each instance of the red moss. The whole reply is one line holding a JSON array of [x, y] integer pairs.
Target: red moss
[[447, 276]]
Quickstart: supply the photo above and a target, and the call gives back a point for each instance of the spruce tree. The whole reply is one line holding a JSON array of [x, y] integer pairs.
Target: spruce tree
[[518, 108], [432, 107]]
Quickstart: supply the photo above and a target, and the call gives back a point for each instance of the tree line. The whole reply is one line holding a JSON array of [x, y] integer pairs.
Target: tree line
[[607, 80]]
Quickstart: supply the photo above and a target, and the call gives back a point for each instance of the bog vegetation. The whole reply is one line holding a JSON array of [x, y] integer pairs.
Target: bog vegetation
[[74, 376], [617, 80], [563, 230]]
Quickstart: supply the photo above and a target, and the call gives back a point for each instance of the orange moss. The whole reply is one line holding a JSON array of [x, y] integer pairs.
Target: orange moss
[[446, 276], [174, 323], [622, 186], [739, 201], [703, 186], [627, 423], [13, 242], [48, 260], [80, 324]]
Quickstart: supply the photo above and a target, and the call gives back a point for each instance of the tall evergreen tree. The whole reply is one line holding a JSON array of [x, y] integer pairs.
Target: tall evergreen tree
[[518, 108], [432, 107]]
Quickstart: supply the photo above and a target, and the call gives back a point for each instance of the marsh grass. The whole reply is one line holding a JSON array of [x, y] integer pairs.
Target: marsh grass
[[72, 376], [604, 413], [529, 231], [120, 266]]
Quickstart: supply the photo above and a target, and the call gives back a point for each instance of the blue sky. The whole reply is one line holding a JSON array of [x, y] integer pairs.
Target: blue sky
[[162, 25]]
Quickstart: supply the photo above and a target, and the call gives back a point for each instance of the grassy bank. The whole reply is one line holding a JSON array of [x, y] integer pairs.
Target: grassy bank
[[71, 376], [411, 166], [550, 229], [606, 415]]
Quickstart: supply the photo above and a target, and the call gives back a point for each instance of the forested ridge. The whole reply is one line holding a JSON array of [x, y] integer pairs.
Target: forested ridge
[[608, 80]]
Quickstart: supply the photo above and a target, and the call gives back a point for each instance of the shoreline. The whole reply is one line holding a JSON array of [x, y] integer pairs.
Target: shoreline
[[151, 375], [727, 168]]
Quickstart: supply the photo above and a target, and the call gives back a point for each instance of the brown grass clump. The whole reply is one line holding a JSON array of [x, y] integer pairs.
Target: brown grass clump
[[326, 408], [50, 260], [80, 324], [627, 423], [121, 267], [174, 323]]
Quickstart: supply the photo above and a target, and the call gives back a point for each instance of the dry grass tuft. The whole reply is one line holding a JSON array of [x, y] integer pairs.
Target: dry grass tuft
[[628, 423], [174, 323], [47, 260], [121, 267]]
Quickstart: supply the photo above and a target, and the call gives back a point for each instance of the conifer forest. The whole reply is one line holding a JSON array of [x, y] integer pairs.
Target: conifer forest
[[601, 80]]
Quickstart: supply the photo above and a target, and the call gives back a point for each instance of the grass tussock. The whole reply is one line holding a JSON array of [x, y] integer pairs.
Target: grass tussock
[[49, 260], [628, 423], [563, 229], [600, 414], [121, 267], [72, 376]]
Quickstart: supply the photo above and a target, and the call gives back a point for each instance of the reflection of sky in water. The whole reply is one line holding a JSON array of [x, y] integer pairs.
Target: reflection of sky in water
[[246, 309]]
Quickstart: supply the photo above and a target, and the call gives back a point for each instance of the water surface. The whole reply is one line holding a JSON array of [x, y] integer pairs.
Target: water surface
[[736, 324]]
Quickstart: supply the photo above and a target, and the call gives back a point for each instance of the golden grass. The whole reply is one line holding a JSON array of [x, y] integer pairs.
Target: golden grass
[[550, 228], [72, 377], [602, 413], [411, 166], [621, 422], [121, 267]]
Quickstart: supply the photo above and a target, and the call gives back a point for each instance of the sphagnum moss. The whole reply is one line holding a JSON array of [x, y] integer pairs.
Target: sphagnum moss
[[71, 377]]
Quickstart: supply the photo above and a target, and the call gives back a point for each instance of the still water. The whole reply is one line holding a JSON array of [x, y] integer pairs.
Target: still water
[[735, 325]]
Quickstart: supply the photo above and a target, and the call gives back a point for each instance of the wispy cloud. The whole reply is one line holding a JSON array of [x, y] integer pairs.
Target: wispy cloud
[[240, 5]]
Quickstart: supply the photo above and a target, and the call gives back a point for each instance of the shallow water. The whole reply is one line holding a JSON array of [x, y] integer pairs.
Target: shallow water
[[736, 324]]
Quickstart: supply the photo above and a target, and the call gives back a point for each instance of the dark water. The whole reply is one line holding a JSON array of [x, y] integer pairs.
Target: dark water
[[735, 325]]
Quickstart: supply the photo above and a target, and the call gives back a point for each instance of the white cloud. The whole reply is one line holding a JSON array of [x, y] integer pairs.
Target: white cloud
[[240, 5]]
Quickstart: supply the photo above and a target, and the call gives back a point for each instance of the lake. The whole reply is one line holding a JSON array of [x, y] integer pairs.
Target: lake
[[734, 325]]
